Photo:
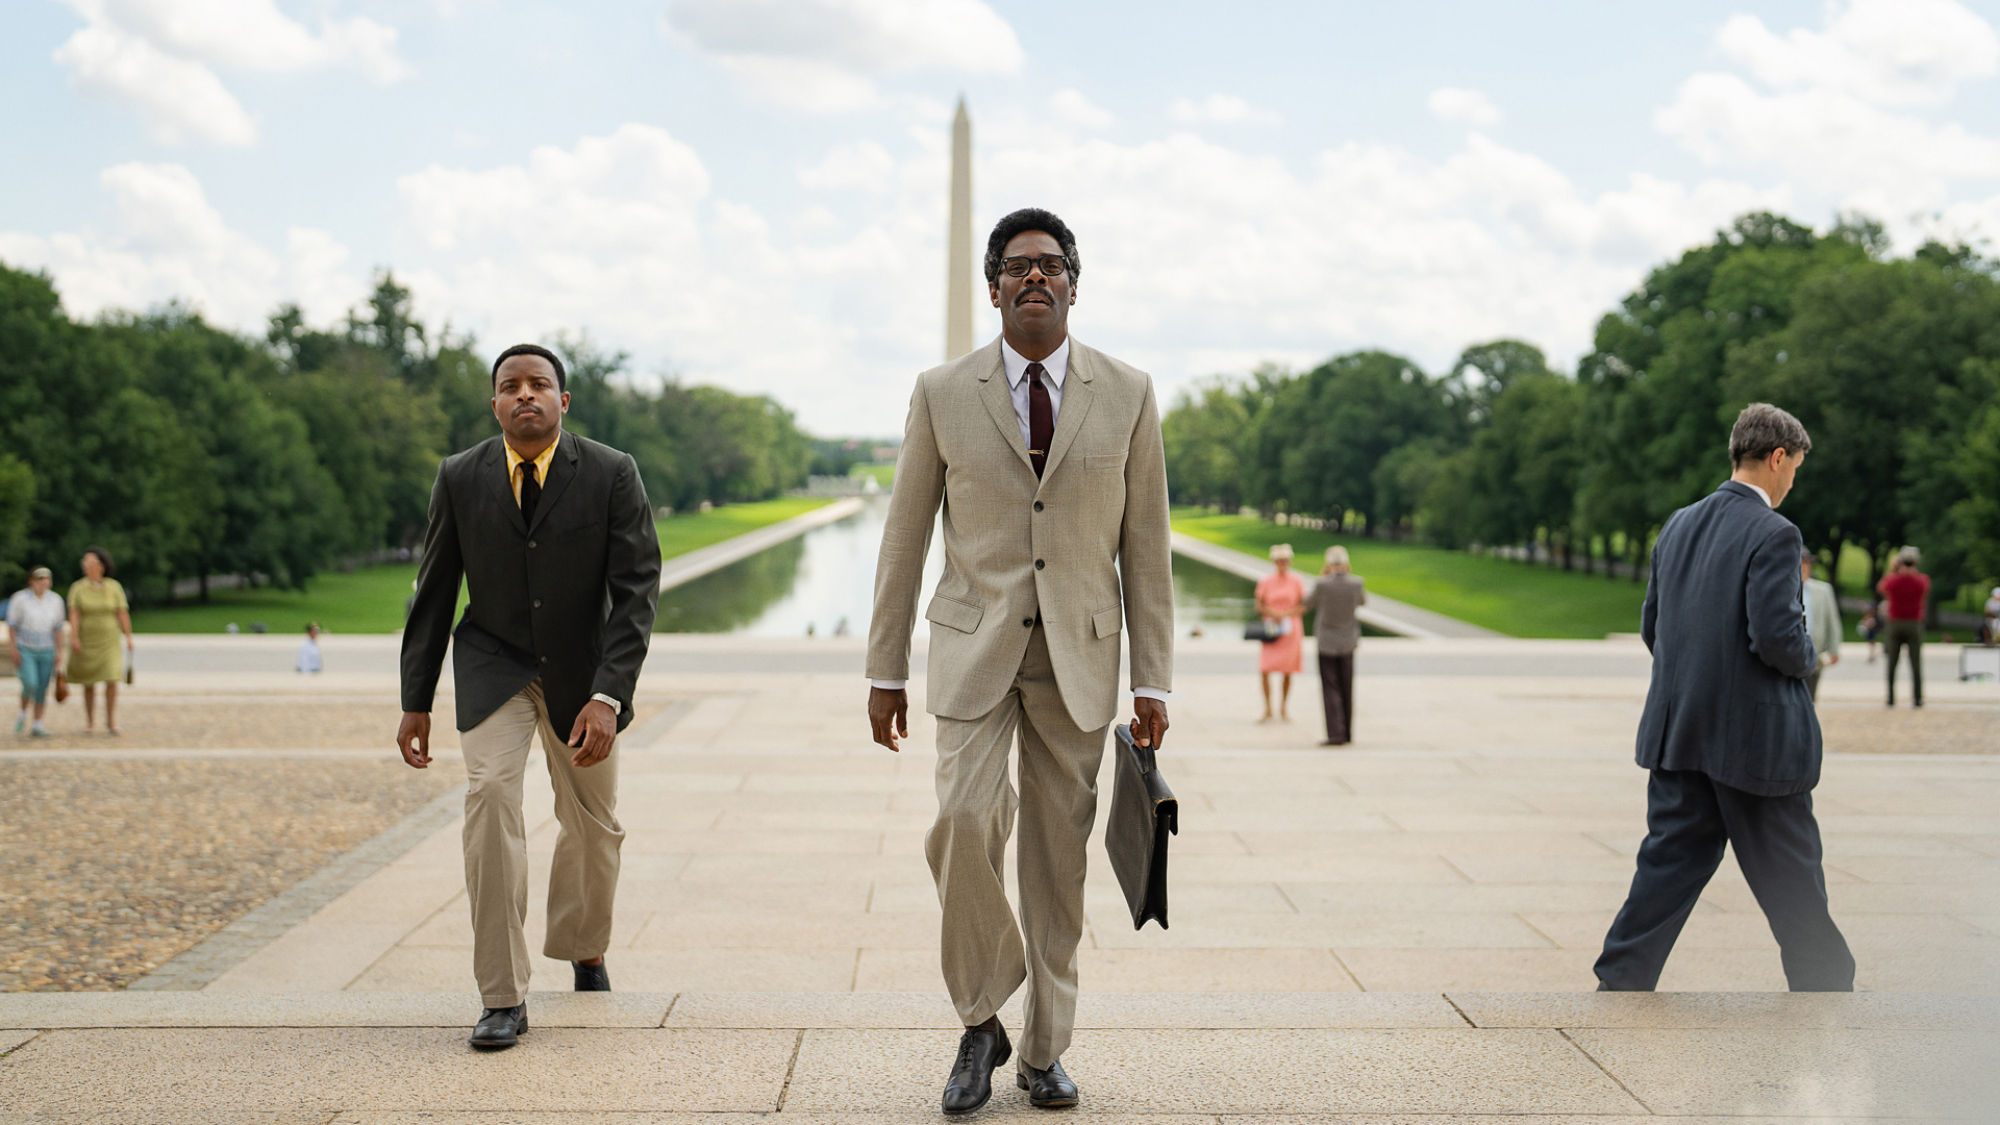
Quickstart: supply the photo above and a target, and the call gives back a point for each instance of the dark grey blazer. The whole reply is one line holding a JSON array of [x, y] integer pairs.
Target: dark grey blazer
[[570, 599], [1725, 620]]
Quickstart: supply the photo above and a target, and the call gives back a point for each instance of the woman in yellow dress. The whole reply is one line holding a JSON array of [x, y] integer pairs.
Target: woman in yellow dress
[[98, 614]]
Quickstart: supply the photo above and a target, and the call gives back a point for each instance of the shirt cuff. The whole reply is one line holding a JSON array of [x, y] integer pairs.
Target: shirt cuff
[[616, 707], [1151, 693], [889, 685]]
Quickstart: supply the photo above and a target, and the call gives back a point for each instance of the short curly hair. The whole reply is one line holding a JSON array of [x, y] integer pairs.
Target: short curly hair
[[555, 361], [1020, 222]]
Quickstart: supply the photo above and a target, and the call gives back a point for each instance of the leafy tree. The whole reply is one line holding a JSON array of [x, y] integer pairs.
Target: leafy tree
[[1204, 435]]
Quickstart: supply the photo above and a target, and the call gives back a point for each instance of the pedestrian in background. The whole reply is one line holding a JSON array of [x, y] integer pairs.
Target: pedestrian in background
[[1905, 590], [1993, 618], [1822, 621], [1870, 627], [98, 614], [1281, 602], [309, 662], [1337, 634], [35, 623]]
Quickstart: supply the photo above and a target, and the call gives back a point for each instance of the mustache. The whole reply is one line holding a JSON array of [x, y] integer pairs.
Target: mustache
[[1042, 293]]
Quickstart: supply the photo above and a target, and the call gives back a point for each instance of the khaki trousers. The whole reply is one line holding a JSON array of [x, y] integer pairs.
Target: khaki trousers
[[583, 879], [985, 955]]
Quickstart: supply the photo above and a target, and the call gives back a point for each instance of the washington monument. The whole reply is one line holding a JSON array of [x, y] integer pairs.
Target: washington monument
[[958, 272]]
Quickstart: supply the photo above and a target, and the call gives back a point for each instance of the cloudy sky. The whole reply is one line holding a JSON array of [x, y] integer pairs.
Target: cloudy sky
[[752, 192]]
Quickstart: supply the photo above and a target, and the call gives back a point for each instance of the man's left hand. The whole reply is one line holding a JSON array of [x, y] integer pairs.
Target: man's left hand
[[1150, 725], [594, 731]]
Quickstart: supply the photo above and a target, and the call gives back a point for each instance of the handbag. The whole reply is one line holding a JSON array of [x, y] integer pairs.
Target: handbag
[[1267, 631], [1143, 814], [62, 686]]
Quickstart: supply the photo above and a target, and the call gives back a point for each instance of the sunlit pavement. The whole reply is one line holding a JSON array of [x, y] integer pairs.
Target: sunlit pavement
[[1476, 839]]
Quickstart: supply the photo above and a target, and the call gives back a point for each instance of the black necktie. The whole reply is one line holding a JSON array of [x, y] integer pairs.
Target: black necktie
[[531, 491], [1041, 419]]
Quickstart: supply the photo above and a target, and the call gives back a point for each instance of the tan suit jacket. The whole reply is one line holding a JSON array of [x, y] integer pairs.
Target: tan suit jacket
[[1086, 546]]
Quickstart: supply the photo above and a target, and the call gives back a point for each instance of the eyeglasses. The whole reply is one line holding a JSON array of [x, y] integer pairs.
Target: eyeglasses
[[1051, 265]]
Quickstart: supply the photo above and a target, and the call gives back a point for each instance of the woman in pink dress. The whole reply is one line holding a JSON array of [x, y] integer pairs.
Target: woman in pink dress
[[1281, 600]]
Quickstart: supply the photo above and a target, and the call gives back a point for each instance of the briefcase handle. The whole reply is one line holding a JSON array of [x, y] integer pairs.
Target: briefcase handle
[[1142, 754]]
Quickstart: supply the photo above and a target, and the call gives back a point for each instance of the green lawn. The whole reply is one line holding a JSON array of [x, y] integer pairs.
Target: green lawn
[[885, 475], [371, 600], [1508, 597], [681, 534]]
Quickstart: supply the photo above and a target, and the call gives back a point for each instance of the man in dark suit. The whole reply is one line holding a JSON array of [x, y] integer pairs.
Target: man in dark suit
[[555, 541], [1729, 731]]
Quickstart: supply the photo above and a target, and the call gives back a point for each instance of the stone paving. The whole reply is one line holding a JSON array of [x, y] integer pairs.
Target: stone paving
[[1300, 1059], [1478, 835], [1334, 911]]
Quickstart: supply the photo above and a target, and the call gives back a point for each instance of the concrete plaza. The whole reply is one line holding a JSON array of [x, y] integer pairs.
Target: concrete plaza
[[1344, 920]]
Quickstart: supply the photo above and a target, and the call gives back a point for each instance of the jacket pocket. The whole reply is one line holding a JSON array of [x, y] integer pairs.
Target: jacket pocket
[[1104, 462], [954, 614], [1105, 621]]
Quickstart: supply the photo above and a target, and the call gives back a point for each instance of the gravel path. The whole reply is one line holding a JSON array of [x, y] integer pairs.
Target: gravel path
[[109, 868]]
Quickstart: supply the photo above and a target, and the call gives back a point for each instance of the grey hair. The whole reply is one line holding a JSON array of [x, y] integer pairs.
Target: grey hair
[[1763, 429]]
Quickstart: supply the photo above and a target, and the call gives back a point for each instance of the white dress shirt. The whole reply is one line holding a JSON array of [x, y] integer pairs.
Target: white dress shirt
[[1763, 495], [1054, 368]]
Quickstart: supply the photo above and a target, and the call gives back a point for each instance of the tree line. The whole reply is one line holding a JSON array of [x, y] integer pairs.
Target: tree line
[[190, 451], [1892, 364]]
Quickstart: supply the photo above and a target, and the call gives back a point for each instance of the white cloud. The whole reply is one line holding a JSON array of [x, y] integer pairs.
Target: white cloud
[[1888, 52], [157, 55], [1073, 108], [1832, 108], [169, 243], [863, 165], [619, 234], [178, 100], [1219, 109], [1465, 107], [823, 55]]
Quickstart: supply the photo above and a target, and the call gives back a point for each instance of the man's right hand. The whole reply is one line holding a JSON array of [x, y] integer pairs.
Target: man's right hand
[[413, 738], [889, 715]]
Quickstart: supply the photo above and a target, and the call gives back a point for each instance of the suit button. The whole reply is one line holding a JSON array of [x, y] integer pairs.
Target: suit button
[[545, 660], [531, 544], [538, 603], [1028, 622], [1039, 564], [1038, 507]]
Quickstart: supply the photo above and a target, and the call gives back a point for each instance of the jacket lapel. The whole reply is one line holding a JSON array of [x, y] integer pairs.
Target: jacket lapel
[[494, 468], [1076, 398], [1000, 404], [562, 470]]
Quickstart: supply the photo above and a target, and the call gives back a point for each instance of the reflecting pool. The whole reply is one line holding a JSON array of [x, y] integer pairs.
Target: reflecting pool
[[824, 582]]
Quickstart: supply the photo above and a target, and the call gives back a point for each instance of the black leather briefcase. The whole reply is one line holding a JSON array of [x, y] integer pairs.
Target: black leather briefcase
[[1143, 813]]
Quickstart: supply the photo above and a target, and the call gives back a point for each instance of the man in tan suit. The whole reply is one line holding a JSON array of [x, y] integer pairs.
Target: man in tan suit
[[1046, 458]]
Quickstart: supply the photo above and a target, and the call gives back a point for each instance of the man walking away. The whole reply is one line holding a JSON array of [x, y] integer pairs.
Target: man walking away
[[1045, 456], [554, 539], [1822, 621], [1729, 731], [1905, 590]]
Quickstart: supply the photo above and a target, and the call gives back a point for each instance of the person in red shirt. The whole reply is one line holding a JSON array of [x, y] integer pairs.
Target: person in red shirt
[[1906, 589]]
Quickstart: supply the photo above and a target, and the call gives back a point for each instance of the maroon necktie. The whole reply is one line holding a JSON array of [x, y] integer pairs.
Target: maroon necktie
[[1041, 418]]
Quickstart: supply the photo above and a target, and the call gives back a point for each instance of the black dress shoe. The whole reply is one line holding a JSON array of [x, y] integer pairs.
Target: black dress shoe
[[591, 978], [1047, 1089], [501, 1027], [971, 1081]]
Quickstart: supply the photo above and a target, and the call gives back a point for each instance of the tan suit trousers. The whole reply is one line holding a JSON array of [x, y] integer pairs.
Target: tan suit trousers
[[984, 955], [583, 879]]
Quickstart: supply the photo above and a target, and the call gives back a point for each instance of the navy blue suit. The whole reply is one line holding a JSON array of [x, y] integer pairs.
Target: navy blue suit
[[1732, 741]]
